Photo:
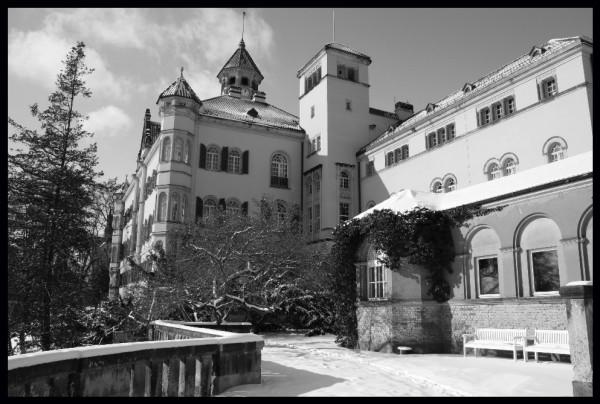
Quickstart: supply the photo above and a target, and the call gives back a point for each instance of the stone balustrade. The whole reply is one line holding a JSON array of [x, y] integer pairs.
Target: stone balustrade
[[178, 360]]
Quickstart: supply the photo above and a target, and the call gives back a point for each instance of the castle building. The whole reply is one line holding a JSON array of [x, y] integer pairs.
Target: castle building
[[519, 137]]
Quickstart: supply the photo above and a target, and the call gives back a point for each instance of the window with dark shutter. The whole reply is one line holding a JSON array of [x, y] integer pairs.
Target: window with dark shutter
[[222, 204], [224, 158], [245, 208], [202, 156], [245, 162], [199, 208]]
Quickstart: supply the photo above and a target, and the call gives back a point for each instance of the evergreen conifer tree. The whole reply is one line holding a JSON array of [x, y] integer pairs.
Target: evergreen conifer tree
[[51, 186]]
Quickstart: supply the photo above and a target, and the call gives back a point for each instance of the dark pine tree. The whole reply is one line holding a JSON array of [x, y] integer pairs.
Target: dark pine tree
[[51, 188]]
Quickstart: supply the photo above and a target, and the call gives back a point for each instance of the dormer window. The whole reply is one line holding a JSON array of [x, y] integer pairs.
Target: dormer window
[[468, 87], [252, 112], [244, 81], [430, 107]]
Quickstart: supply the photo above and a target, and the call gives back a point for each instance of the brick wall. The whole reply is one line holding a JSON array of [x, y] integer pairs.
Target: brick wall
[[428, 326]]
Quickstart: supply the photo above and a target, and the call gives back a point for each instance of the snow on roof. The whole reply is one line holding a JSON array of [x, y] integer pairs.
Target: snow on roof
[[406, 200]]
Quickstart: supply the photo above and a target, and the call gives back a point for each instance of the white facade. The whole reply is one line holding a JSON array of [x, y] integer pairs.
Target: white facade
[[341, 156]]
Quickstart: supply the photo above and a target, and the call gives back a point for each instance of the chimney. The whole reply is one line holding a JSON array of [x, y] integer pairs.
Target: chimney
[[404, 110], [260, 96]]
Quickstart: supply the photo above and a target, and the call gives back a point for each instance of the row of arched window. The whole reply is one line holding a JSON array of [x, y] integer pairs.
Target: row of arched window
[[445, 184], [554, 149], [209, 206], [180, 150]]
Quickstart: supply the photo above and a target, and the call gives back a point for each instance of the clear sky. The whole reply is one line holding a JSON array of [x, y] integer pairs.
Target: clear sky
[[419, 55]]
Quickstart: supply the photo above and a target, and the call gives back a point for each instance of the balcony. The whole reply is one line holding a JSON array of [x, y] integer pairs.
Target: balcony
[[177, 360]]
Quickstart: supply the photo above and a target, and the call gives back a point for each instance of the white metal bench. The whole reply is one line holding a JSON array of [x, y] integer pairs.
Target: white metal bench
[[497, 339], [549, 341]]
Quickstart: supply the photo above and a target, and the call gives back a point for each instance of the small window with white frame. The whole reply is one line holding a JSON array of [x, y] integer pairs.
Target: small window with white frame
[[484, 116], [344, 180], [376, 276], [487, 274], [548, 87], [544, 271], [509, 105], [494, 171]]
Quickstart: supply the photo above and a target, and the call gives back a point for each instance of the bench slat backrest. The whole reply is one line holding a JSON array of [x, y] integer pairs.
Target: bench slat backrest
[[557, 337], [495, 334]]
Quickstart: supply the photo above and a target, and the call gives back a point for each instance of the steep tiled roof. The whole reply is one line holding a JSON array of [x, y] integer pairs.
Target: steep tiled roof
[[180, 88], [241, 58], [236, 109], [550, 48]]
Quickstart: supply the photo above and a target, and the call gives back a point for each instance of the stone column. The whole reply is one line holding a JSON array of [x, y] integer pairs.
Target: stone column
[[507, 276], [579, 302], [571, 267]]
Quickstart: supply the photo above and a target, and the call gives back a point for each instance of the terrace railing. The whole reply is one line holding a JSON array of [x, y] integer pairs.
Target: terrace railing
[[178, 360]]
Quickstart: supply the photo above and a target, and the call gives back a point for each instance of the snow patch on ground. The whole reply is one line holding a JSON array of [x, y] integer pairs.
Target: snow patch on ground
[[295, 365]]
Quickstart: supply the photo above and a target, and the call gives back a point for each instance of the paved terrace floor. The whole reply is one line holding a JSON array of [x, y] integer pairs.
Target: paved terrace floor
[[294, 365]]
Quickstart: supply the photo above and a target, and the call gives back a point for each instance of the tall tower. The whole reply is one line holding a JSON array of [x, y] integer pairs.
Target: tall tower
[[335, 113]]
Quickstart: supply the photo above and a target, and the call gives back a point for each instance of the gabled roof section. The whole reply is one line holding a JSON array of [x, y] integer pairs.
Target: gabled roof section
[[241, 59], [256, 113], [180, 88], [552, 47]]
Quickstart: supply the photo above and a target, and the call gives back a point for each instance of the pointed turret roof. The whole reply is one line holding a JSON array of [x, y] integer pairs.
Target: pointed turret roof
[[241, 59], [180, 88]]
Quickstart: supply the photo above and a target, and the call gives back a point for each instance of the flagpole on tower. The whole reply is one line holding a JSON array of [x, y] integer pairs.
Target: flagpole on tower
[[333, 11]]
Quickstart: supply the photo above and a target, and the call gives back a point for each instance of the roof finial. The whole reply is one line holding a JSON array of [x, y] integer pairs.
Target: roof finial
[[243, 26], [181, 71]]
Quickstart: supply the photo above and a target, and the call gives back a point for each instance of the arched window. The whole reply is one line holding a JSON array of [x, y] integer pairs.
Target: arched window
[[184, 207], [555, 152], [494, 171], [437, 187], [509, 166], [210, 208], [174, 206], [212, 158], [233, 163], [233, 207], [178, 149], [279, 167], [186, 152], [166, 149], [344, 180], [449, 185], [162, 207], [370, 204]]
